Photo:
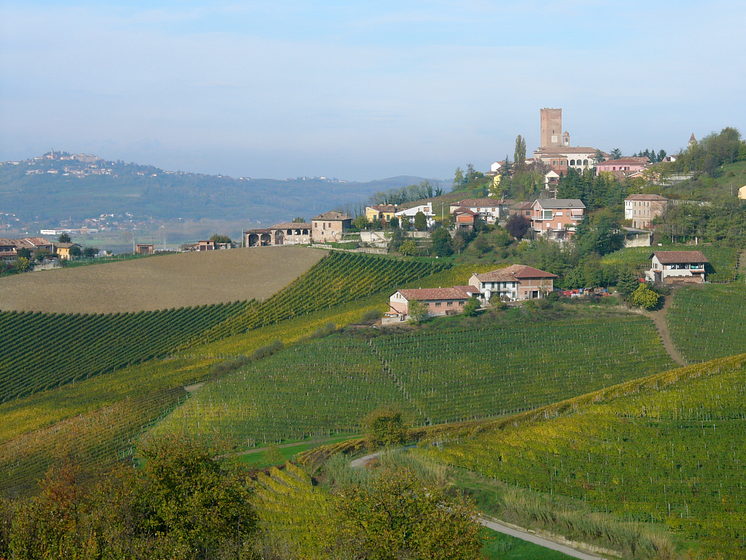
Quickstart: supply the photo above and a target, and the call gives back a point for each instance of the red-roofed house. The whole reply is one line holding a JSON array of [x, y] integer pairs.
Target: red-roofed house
[[622, 167], [489, 209], [642, 209], [673, 267], [513, 283], [438, 301], [464, 218]]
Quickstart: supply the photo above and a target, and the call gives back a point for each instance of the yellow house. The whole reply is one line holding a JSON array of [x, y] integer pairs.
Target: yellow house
[[63, 249], [383, 212], [742, 193]]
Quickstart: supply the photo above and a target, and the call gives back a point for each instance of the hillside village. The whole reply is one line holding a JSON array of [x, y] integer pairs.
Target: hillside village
[[558, 340]]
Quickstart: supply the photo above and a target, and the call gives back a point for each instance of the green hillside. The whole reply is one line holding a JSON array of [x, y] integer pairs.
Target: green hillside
[[709, 322], [665, 450], [497, 365]]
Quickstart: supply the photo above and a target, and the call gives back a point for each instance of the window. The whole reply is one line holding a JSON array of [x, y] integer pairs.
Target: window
[[437, 304], [546, 214], [559, 213], [449, 304]]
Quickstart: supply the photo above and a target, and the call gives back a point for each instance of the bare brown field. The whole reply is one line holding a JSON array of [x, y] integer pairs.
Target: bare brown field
[[161, 282]]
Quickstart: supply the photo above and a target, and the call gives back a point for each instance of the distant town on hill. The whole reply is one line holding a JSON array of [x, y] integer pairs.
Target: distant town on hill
[[61, 189]]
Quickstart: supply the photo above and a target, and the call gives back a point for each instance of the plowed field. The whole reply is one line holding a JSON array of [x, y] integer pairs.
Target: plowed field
[[160, 282]]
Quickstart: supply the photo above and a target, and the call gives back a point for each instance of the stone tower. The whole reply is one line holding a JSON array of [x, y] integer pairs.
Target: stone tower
[[551, 128]]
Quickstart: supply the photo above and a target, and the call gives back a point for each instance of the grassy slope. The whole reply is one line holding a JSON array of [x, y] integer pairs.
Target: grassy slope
[[664, 449]]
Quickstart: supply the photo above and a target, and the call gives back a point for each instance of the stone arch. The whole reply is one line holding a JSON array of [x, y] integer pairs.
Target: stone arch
[[253, 240], [266, 240]]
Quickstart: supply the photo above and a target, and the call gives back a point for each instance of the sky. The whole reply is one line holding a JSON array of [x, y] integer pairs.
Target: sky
[[361, 90]]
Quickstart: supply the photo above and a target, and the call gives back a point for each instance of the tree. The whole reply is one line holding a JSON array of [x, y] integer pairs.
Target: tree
[[517, 225], [627, 283], [409, 248], [599, 157], [184, 495], [397, 239], [458, 179], [64, 238], [220, 239], [471, 306], [397, 516], [420, 221], [416, 310], [90, 252], [616, 153], [519, 155], [24, 252], [600, 235], [442, 242], [394, 222], [644, 297], [385, 427], [298, 220], [75, 251], [361, 222]]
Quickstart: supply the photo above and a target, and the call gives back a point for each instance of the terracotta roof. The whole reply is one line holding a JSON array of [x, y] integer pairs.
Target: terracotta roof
[[645, 197], [37, 241], [559, 203], [384, 207], [430, 294], [676, 257], [522, 205], [565, 150], [512, 273], [480, 202], [331, 216], [462, 210], [292, 225]]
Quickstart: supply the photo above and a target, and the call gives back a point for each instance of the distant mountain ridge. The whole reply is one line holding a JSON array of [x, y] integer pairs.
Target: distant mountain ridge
[[59, 186]]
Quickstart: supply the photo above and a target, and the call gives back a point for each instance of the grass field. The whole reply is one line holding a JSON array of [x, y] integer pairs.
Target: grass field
[[163, 282]]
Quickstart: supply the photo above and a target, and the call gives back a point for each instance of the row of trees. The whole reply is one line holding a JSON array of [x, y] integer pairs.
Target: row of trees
[[710, 153]]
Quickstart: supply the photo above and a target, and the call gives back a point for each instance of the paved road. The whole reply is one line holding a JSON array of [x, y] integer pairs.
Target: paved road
[[499, 527]]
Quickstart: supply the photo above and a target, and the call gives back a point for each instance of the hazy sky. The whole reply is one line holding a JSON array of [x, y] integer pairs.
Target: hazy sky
[[361, 90]]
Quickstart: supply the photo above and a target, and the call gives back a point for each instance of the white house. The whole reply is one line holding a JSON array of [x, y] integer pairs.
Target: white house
[[672, 267], [410, 213], [513, 283]]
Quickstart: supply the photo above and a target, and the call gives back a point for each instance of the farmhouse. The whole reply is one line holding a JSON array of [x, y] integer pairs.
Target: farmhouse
[[408, 214], [677, 267], [329, 226], [514, 283], [63, 249], [293, 233], [437, 301]]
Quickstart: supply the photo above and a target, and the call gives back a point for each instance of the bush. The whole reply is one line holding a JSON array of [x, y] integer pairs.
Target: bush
[[384, 427], [372, 315]]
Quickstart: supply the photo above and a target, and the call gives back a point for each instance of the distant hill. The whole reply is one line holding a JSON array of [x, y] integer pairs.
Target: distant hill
[[64, 186]]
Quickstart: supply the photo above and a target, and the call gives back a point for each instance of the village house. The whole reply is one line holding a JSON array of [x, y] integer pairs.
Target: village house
[[381, 212], [489, 210], [63, 250], [677, 267], [514, 283], [407, 215], [623, 167], [556, 218], [463, 218], [7, 249], [329, 227], [642, 209], [437, 301]]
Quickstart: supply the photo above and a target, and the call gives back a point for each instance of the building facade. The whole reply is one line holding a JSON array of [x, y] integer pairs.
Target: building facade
[[677, 267], [556, 218], [515, 283], [329, 227], [642, 209]]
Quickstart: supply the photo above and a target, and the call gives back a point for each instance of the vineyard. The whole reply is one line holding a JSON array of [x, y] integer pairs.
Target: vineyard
[[42, 351], [722, 267], [339, 278], [709, 322], [436, 376], [666, 450]]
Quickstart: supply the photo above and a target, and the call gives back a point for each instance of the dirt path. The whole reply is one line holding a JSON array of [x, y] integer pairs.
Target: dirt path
[[659, 318]]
